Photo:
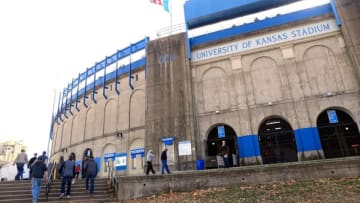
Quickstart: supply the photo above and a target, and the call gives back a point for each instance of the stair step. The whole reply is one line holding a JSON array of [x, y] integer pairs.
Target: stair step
[[20, 191]]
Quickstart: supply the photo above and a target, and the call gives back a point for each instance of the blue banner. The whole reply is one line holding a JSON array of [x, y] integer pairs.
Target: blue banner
[[167, 140], [221, 131], [332, 116], [135, 152], [109, 156]]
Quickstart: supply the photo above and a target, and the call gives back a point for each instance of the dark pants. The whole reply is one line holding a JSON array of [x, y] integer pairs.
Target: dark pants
[[92, 180], [226, 162], [67, 180], [149, 168], [164, 166], [20, 171]]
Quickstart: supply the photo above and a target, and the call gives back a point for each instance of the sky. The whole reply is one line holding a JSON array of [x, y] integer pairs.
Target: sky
[[46, 43]]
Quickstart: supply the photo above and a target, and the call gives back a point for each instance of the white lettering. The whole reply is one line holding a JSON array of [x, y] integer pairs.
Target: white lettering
[[296, 33]]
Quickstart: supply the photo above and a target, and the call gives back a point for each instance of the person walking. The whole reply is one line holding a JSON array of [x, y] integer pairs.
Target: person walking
[[68, 170], [44, 158], [224, 152], [20, 162], [149, 157], [90, 173], [32, 160], [164, 161], [39, 171], [58, 166], [77, 171]]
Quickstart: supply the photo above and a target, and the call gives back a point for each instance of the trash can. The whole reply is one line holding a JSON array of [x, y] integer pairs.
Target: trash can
[[200, 164]]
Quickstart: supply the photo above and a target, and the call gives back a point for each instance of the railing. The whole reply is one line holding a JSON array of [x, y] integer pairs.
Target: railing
[[113, 182], [51, 175]]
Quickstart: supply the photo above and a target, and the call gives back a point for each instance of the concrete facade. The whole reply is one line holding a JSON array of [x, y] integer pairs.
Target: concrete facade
[[182, 100], [291, 81]]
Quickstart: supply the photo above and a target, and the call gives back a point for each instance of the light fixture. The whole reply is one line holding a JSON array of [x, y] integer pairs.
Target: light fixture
[[269, 103], [217, 111]]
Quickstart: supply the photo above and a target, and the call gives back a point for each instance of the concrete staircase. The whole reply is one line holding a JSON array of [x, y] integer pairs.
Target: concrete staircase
[[20, 191]]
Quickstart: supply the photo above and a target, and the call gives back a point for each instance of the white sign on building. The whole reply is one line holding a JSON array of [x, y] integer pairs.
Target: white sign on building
[[295, 33]]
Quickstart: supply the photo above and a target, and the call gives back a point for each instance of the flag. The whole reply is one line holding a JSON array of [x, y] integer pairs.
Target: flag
[[164, 3]]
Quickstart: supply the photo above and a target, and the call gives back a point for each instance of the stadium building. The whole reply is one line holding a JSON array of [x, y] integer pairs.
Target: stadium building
[[280, 89]]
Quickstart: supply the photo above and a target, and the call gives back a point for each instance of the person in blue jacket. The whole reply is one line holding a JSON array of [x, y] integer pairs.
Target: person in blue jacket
[[90, 173]]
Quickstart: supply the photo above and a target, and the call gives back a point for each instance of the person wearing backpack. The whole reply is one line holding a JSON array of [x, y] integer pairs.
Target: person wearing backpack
[[68, 171], [90, 173]]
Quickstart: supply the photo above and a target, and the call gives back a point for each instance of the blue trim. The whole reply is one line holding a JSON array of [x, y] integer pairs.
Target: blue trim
[[71, 97], [336, 14], [94, 86], [267, 23], [120, 54], [104, 81], [130, 73], [117, 79], [307, 139], [85, 89], [248, 146], [77, 95], [98, 163], [204, 12], [59, 109]]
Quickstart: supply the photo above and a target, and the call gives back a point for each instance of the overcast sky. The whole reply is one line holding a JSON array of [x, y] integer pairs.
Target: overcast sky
[[46, 43]]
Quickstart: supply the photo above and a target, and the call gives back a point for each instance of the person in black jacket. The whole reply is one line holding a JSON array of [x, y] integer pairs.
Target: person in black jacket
[[39, 171], [90, 173], [164, 161], [32, 160]]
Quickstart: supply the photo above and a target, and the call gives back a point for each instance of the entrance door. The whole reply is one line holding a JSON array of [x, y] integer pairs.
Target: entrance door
[[339, 134], [215, 137], [277, 141]]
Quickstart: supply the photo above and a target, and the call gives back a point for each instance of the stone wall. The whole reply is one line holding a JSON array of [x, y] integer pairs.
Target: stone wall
[[142, 186]]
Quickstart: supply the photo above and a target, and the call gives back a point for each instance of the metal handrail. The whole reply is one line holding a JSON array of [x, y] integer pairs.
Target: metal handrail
[[51, 175], [113, 182]]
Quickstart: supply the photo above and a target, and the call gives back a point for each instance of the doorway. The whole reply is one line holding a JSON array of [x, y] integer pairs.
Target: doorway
[[339, 134], [216, 135], [277, 141]]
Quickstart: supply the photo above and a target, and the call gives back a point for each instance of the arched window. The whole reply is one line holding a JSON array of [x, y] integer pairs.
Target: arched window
[[277, 141], [339, 134]]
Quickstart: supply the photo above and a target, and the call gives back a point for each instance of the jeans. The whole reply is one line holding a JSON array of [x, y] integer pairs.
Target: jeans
[[92, 180], [20, 170], [67, 180], [226, 162], [164, 166], [35, 188]]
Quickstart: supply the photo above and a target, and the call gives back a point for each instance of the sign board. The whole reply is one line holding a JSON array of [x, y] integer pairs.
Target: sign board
[[332, 116], [109, 156], [184, 148], [221, 131], [120, 161], [134, 152], [246, 44]]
